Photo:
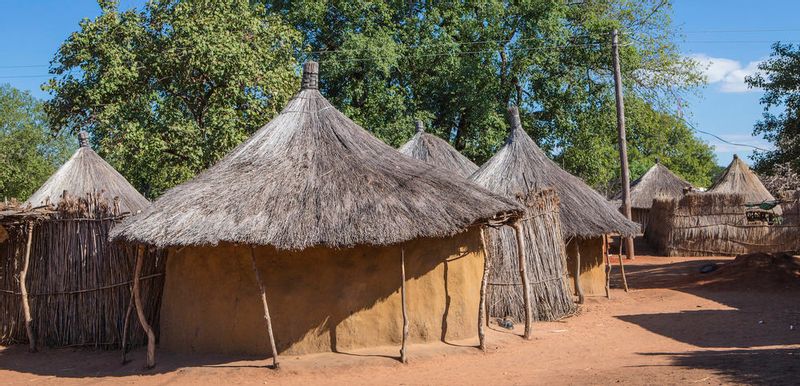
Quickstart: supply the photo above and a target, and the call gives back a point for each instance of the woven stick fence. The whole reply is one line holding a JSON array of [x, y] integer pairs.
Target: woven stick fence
[[78, 282], [546, 258], [709, 224]]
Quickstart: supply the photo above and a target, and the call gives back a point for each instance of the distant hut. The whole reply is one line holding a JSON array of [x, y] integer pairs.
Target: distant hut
[[658, 181], [586, 217], [325, 222], [62, 283], [738, 178], [437, 152]]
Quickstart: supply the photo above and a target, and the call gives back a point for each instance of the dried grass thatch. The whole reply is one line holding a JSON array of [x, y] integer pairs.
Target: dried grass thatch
[[312, 177], [437, 152], [739, 179], [546, 264], [87, 173], [521, 166], [658, 181], [78, 282], [709, 224]]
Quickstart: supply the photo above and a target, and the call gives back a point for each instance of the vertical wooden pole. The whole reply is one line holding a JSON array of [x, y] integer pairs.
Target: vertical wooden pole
[[623, 146], [607, 253], [23, 289], [482, 312], [622, 266], [125, 329], [523, 273], [578, 287], [403, 356], [262, 289], [137, 299]]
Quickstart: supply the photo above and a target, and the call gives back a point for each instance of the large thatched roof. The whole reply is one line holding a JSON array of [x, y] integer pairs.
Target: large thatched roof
[[88, 173], [521, 166], [312, 177], [738, 178], [437, 152], [658, 181]]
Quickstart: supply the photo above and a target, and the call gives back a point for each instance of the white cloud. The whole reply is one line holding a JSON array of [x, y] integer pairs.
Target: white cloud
[[728, 73]]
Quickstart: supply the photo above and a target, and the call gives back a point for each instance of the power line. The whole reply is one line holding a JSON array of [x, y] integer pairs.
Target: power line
[[720, 138]]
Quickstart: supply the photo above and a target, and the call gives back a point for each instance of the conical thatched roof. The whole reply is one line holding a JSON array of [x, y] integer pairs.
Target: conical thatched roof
[[521, 166], [437, 152], [658, 181], [312, 177], [88, 173], [738, 178]]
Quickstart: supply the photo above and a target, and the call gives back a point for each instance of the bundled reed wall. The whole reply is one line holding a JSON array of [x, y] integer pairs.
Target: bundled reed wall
[[708, 224], [546, 259], [78, 282]]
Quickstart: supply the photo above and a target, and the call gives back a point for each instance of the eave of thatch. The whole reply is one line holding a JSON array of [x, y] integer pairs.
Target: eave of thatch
[[435, 151], [738, 178], [521, 166], [312, 177], [87, 173], [658, 181]]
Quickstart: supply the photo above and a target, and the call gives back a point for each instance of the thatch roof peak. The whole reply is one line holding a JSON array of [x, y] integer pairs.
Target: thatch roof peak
[[738, 178], [88, 173], [435, 151], [312, 177], [658, 181], [83, 139], [521, 166]]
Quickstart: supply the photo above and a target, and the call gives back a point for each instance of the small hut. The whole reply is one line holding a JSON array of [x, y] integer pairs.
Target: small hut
[[433, 150], [738, 178], [62, 283], [658, 181], [586, 216], [344, 238]]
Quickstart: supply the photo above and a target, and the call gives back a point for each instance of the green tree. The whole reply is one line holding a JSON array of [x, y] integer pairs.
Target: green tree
[[168, 89], [779, 76], [459, 64], [29, 153]]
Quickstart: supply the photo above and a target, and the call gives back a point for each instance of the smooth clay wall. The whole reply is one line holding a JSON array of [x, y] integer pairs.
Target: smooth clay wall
[[593, 267], [320, 299]]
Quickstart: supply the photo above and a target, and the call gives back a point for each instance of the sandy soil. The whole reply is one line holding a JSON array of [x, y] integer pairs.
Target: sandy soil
[[669, 329]]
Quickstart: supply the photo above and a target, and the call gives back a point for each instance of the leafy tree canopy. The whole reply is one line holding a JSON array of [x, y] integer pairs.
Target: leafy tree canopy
[[29, 153], [169, 89], [779, 76]]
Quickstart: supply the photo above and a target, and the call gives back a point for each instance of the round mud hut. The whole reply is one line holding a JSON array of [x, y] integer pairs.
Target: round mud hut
[[658, 181], [521, 167], [321, 235], [738, 178], [433, 150], [62, 283]]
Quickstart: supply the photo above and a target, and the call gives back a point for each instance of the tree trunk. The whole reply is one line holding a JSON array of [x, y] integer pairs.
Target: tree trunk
[[23, 289], [482, 313], [137, 297], [403, 357], [578, 287], [523, 273], [262, 289]]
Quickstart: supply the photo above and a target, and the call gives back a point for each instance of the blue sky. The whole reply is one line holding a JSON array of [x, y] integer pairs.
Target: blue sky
[[728, 37]]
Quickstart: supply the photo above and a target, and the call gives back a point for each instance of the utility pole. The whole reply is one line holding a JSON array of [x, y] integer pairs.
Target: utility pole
[[623, 146]]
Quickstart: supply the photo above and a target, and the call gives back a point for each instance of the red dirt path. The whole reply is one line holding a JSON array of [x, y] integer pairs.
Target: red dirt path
[[668, 330]]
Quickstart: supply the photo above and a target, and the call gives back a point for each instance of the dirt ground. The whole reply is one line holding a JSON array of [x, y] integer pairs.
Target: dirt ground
[[669, 329]]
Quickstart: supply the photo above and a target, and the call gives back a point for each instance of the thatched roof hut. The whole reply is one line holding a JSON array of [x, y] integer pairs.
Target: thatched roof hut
[[738, 178], [658, 181], [586, 216], [62, 283], [437, 152], [88, 173], [326, 214]]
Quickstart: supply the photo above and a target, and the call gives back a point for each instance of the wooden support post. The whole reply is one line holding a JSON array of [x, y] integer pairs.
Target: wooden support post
[[262, 289], [622, 266], [137, 300], [403, 356], [523, 272], [623, 146], [578, 287], [23, 289], [607, 253], [482, 312], [125, 329]]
